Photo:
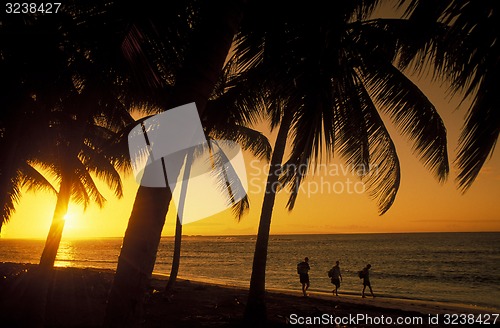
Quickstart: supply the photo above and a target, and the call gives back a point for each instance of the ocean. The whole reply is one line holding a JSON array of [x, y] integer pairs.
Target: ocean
[[446, 267]]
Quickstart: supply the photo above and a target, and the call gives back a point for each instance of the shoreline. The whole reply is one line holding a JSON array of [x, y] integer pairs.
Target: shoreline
[[440, 274], [77, 298], [418, 305]]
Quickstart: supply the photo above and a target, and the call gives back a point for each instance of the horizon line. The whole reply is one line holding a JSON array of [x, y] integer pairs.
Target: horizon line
[[272, 234]]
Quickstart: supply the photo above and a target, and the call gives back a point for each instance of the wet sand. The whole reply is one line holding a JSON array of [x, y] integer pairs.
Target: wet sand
[[76, 297]]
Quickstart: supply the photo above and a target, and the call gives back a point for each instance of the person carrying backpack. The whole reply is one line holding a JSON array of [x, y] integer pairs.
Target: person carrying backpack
[[365, 275], [336, 277], [303, 271]]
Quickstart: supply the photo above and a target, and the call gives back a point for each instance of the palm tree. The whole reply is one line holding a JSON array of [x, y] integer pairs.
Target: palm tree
[[201, 69], [250, 140], [75, 152], [57, 151], [17, 171], [459, 39], [68, 149], [46, 63], [232, 127], [372, 132], [81, 25], [59, 74], [325, 75], [24, 88], [59, 112]]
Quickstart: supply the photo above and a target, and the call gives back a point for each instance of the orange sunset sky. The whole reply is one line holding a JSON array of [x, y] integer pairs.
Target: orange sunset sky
[[422, 204]]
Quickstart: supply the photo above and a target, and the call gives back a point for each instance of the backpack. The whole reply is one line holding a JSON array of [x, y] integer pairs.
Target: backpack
[[361, 274], [330, 273], [301, 268]]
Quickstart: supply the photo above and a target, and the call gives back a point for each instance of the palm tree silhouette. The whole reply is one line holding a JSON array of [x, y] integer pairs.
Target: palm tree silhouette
[[201, 69], [75, 153], [60, 107], [323, 82], [60, 114], [24, 88], [325, 76], [250, 140], [372, 80], [459, 40]]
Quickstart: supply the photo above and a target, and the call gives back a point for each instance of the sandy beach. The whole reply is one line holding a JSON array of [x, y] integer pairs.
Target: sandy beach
[[77, 298]]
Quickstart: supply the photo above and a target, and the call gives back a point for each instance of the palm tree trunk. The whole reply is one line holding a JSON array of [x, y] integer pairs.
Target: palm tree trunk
[[195, 82], [28, 303], [255, 311], [176, 258], [34, 295], [56, 228], [178, 224], [138, 252]]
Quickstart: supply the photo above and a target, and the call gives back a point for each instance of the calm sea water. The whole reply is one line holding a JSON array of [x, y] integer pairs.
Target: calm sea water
[[449, 267]]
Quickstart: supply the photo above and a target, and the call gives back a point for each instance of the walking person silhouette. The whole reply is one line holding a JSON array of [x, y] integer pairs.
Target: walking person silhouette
[[365, 275], [336, 277], [303, 271]]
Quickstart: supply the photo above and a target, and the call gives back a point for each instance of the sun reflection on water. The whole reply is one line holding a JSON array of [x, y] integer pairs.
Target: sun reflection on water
[[66, 254]]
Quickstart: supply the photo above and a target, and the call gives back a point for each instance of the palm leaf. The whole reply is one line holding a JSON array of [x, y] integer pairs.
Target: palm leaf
[[84, 189], [228, 180], [383, 175], [98, 164], [11, 192], [480, 133], [250, 140], [467, 56], [33, 180], [412, 113]]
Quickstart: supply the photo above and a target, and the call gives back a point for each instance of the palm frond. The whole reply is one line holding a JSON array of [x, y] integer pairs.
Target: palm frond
[[352, 136], [241, 207], [34, 180], [312, 113], [241, 103], [412, 113], [383, 175], [11, 194], [467, 57], [228, 180], [480, 132], [250, 140], [421, 34], [98, 164], [84, 189]]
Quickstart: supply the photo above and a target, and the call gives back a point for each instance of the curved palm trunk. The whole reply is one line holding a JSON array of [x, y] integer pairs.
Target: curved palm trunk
[[178, 224], [177, 256], [255, 311], [31, 294], [56, 228], [194, 83]]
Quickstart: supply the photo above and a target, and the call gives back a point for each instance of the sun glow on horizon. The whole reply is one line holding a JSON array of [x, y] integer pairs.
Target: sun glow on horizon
[[421, 205]]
